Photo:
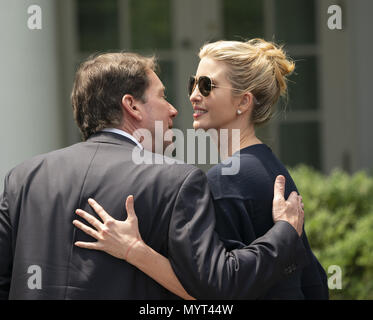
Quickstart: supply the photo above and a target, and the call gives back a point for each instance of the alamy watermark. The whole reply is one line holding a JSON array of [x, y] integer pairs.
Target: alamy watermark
[[169, 147], [34, 281], [335, 18], [34, 21], [335, 279]]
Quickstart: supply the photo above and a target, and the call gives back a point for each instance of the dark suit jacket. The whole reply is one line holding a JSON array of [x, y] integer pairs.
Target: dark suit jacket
[[176, 218]]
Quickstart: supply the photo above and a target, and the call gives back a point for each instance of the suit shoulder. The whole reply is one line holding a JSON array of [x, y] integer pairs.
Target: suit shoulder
[[181, 172], [35, 160], [171, 168], [22, 170]]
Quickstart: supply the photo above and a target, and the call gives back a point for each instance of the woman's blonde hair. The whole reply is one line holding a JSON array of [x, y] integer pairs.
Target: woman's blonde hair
[[255, 66]]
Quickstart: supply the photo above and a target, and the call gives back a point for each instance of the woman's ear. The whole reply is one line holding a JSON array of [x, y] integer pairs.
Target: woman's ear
[[246, 103], [129, 104]]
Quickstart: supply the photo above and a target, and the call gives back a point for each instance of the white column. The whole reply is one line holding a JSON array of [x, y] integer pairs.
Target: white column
[[195, 23], [29, 84], [347, 87], [361, 52], [337, 92]]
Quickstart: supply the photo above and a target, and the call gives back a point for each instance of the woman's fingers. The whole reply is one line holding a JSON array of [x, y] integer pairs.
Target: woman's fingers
[[130, 208], [99, 210], [89, 218], [86, 229], [89, 245]]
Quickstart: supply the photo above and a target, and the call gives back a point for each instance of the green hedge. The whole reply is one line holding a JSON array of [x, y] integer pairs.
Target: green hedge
[[339, 225]]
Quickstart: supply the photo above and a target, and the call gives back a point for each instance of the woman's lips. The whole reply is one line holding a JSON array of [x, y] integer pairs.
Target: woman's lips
[[198, 112]]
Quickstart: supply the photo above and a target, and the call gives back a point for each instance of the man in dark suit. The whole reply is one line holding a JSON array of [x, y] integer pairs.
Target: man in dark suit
[[113, 95]]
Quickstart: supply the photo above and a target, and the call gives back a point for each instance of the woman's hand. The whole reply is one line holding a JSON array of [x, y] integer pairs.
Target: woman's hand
[[113, 236], [119, 237]]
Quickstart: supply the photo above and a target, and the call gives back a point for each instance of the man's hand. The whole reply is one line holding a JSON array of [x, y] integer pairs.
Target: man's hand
[[290, 210]]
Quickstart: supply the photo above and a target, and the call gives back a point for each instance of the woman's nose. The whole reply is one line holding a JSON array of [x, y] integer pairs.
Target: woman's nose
[[196, 95]]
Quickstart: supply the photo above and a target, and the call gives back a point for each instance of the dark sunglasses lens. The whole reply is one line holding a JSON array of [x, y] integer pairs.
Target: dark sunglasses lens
[[191, 85], [204, 85]]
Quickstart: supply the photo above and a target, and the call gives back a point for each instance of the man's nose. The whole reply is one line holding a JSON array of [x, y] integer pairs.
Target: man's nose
[[173, 111]]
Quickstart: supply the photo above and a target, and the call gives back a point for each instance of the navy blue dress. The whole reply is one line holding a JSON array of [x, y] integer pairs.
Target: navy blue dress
[[243, 204]]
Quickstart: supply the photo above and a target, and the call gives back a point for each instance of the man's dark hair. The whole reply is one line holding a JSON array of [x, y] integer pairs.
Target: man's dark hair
[[101, 82]]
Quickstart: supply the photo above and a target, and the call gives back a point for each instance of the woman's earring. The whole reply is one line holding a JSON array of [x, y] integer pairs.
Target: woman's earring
[[239, 112]]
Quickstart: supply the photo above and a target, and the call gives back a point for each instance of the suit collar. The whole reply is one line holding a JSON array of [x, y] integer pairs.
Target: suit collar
[[110, 137]]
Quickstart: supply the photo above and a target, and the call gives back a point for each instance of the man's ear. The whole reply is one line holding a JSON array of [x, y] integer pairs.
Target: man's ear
[[129, 105]]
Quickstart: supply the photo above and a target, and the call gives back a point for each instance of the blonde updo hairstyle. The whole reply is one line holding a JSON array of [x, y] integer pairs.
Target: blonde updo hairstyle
[[255, 66]]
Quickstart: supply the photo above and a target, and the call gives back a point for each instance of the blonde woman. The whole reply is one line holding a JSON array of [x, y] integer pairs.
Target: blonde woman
[[236, 86]]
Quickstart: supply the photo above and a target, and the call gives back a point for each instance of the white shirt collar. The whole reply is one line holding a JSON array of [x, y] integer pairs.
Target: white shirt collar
[[125, 134]]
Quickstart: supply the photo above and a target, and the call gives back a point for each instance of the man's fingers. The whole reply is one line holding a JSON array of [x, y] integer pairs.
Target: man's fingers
[[99, 210], [279, 189], [300, 202], [86, 229], [293, 197], [130, 207]]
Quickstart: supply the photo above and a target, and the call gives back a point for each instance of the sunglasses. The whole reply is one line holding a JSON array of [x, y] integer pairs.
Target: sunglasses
[[204, 84]]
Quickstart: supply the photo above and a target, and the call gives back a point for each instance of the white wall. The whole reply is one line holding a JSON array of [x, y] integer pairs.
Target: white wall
[[30, 117]]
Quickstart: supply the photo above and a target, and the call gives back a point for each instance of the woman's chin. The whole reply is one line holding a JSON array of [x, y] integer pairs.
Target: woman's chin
[[196, 125], [199, 125]]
